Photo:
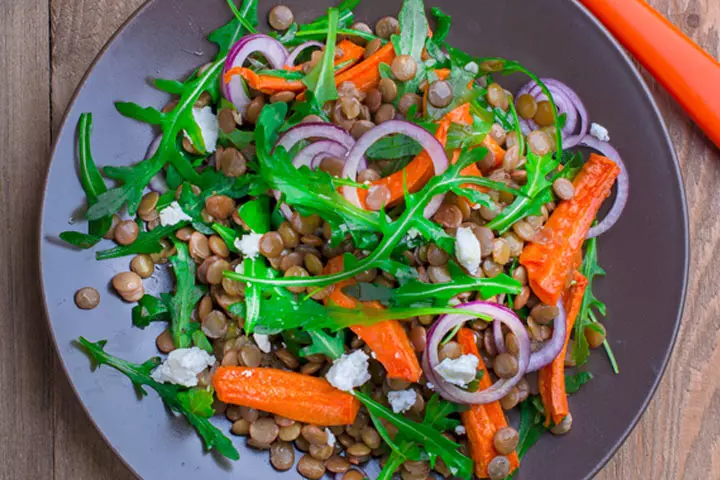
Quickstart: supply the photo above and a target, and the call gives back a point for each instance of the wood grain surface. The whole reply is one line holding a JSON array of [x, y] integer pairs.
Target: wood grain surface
[[45, 48]]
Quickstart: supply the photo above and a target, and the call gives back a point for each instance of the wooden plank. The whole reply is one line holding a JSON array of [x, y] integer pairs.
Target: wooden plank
[[677, 436], [79, 31], [25, 350]]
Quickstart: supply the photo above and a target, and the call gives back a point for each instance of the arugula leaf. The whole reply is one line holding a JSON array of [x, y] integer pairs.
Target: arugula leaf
[[186, 296], [149, 309], [331, 346], [586, 317], [321, 80], [247, 16], [93, 184], [300, 110], [413, 29], [532, 426], [416, 293], [195, 404], [444, 22], [256, 268], [228, 235], [147, 242], [256, 214], [574, 382], [393, 147], [467, 136], [436, 444], [239, 139], [459, 79], [536, 193]]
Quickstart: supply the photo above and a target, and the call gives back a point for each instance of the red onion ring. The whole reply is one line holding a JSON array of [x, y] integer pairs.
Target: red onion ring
[[290, 61], [429, 143], [306, 131], [272, 50], [567, 102], [623, 185], [445, 324], [499, 338]]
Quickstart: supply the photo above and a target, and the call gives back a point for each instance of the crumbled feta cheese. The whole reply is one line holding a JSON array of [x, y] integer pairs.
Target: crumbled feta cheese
[[240, 268], [331, 438], [599, 132], [467, 249], [349, 371], [460, 430], [412, 234], [458, 371], [403, 400], [183, 366], [263, 342], [430, 386], [430, 62], [209, 128], [173, 214], [473, 68], [249, 245]]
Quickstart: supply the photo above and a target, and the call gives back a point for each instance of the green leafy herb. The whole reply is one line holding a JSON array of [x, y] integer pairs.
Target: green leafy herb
[[413, 29], [195, 404], [228, 235], [459, 80], [256, 268], [149, 309], [94, 186], [300, 110], [247, 16], [333, 346], [427, 434], [394, 147], [256, 214], [536, 193], [532, 426], [574, 382], [147, 242], [590, 307], [186, 296], [321, 80]]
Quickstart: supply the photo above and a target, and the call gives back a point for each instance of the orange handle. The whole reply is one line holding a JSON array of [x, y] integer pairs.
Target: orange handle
[[689, 73]]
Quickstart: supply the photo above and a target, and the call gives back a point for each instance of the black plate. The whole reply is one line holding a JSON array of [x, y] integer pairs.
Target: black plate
[[645, 255]]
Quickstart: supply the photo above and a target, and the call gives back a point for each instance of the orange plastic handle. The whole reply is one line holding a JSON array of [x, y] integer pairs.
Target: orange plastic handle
[[689, 73]]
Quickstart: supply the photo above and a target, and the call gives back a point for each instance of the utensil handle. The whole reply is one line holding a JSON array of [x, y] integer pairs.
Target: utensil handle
[[689, 73]]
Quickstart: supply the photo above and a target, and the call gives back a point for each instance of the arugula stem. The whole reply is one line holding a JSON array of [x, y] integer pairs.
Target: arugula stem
[[241, 18], [340, 31]]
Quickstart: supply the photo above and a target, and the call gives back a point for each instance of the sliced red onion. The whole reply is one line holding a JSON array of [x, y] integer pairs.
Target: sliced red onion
[[429, 143], [445, 324], [305, 131], [552, 348], [567, 102], [290, 61], [623, 185], [270, 48], [329, 148], [499, 338]]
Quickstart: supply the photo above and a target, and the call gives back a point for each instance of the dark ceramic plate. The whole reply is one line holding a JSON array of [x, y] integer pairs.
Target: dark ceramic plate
[[645, 255]]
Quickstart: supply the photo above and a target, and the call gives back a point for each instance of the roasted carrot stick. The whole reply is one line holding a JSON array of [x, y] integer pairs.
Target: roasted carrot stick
[[269, 84], [482, 421], [299, 397], [551, 259], [388, 339], [366, 74], [551, 378], [421, 169]]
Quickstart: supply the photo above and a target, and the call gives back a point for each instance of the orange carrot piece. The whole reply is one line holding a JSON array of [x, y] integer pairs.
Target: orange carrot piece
[[299, 397], [387, 339], [482, 421], [267, 84], [551, 259], [495, 148], [366, 74], [551, 378]]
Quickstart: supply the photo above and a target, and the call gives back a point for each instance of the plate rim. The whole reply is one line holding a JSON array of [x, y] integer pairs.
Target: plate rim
[[627, 60]]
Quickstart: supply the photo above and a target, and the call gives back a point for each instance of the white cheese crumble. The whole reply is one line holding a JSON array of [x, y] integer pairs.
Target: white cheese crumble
[[249, 245], [182, 366], [349, 371], [263, 342], [209, 128], [599, 132], [459, 371], [460, 430], [430, 386], [403, 400], [412, 233], [467, 250], [173, 214], [472, 67], [331, 438]]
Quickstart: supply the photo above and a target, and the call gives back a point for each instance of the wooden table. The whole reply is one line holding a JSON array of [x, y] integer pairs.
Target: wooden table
[[45, 48]]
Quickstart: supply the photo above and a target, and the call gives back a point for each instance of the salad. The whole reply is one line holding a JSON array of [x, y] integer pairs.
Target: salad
[[377, 249]]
